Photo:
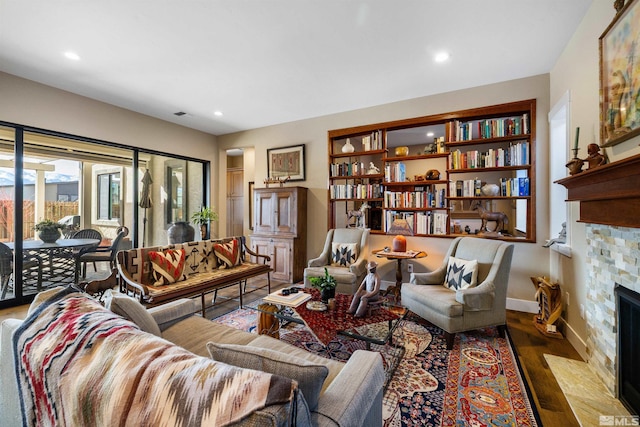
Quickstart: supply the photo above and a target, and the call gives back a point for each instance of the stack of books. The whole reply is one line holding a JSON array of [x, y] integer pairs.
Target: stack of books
[[291, 300]]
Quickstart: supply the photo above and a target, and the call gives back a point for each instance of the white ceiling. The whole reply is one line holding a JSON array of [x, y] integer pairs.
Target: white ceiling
[[263, 62]]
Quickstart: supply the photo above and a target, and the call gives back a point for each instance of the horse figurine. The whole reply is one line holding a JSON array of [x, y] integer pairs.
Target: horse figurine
[[499, 217], [359, 215]]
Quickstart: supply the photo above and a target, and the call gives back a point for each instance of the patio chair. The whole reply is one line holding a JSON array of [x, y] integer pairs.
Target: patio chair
[[29, 262], [102, 253]]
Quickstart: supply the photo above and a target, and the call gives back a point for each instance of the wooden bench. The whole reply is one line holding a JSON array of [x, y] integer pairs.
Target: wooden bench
[[204, 271]]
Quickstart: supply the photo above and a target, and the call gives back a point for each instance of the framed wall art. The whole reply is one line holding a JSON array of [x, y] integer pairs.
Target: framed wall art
[[620, 77], [286, 162]]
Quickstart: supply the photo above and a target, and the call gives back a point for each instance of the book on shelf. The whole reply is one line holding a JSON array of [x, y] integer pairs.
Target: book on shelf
[[291, 300]]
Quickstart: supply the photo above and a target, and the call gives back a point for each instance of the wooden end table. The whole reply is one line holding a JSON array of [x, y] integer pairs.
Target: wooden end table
[[398, 256]]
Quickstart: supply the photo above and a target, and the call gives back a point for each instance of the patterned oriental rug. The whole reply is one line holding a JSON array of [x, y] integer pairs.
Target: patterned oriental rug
[[478, 383]]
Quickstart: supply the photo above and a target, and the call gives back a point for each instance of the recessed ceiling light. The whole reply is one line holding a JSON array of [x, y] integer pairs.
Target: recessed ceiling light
[[72, 55], [217, 113], [441, 56], [429, 133]]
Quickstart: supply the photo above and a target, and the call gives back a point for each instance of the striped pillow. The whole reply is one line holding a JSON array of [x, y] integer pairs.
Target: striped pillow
[[167, 266], [228, 253]]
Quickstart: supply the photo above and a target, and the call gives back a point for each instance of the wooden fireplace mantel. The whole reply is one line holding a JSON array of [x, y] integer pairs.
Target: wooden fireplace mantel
[[608, 194]]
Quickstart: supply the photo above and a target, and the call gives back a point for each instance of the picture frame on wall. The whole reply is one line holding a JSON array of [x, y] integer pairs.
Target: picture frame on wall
[[620, 76], [286, 162]]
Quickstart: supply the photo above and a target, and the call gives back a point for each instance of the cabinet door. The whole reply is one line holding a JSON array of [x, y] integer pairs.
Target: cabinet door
[[235, 216], [281, 259], [287, 212], [235, 183], [260, 246], [265, 210]]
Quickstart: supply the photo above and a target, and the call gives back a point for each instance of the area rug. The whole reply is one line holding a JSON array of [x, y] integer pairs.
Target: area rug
[[478, 383]]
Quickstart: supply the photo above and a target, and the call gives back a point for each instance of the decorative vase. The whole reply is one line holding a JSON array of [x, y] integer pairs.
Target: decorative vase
[[180, 232], [203, 231], [490, 190], [49, 235], [347, 147], [402, 151], [327, 294]]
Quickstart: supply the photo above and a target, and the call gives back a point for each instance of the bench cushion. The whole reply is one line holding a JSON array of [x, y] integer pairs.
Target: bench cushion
[[196, 283]]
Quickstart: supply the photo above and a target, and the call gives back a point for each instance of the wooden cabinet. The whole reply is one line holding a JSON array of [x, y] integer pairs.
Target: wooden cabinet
[[279, 230], [438, 172]]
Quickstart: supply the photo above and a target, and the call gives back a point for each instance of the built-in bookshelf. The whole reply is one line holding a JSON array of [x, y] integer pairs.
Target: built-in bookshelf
[[435, 171]]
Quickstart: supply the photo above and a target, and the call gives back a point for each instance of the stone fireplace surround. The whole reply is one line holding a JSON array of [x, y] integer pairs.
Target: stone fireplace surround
[[609, 199]]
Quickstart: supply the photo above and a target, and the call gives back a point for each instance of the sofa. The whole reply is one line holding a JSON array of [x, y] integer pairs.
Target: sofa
[[203, 266], [328, 393]]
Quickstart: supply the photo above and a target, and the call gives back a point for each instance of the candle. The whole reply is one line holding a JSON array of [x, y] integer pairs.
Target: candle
[[577, 137]]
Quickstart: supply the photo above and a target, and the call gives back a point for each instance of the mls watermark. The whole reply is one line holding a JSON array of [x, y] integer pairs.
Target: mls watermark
[[619, 420]]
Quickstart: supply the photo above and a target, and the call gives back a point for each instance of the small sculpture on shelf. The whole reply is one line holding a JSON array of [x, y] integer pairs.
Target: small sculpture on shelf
[[562, 237], [360, 216], [430, 149], [373, 169], [549, 300], [368, 293], [500, 219], [277, 180], [595, 158], [432, 174]]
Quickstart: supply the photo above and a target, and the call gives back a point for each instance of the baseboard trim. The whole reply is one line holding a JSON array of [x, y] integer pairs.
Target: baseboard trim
[[574, 339], [523, 305], [384, 284]]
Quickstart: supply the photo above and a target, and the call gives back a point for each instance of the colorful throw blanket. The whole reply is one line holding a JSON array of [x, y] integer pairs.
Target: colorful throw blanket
[[78, 364]]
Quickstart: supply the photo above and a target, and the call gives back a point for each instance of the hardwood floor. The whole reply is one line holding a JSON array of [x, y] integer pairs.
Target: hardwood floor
[[530, 344]]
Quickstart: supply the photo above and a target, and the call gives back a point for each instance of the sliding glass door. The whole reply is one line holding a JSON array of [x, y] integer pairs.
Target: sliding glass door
[[82, 184]]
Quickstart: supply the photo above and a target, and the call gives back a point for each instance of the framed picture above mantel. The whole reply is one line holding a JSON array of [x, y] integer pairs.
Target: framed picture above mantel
[[620, 77]]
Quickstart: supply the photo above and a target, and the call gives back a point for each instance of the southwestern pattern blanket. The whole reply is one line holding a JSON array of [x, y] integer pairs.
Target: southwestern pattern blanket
[[81, 365]]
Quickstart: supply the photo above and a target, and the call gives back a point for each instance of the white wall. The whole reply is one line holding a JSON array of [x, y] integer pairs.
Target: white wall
[[577, 71], [530, 258]]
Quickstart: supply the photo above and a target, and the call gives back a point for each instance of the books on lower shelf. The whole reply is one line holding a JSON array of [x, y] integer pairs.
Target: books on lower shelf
[[291, 300]]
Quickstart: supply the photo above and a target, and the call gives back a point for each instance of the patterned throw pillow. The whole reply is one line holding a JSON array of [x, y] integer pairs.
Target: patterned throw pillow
[[167, 266], [461, 274], [227, 253], [309, 375], [343, 254]]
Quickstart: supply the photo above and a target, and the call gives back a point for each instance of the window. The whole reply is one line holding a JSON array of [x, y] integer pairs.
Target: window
[[109, 196]]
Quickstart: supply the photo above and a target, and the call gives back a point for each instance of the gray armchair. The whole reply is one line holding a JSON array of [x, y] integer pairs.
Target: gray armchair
[[464, 309], [348, 278]]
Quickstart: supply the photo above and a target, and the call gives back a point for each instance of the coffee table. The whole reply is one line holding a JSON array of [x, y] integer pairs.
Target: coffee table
[[326, 325]]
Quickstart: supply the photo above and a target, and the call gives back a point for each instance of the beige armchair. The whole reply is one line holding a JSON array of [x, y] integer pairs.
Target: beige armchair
[[464, 309], [348, 277]]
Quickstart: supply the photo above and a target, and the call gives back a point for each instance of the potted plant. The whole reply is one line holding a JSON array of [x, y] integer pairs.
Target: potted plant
[[48, 230], [202, 218], [326, 285]]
